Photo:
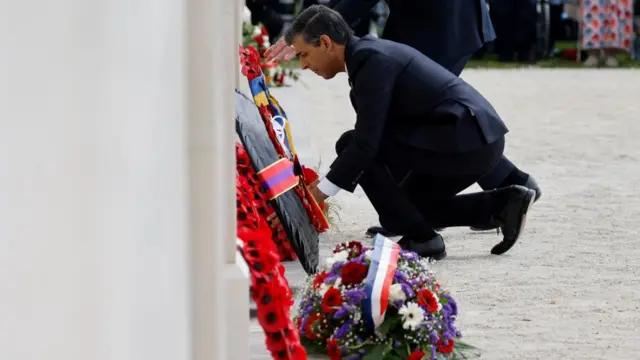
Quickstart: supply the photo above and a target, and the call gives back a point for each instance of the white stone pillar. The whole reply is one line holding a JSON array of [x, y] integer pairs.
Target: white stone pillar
[[220, 297], [116, 166]]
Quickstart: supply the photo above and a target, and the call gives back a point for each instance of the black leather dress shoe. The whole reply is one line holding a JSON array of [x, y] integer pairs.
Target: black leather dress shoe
[[531, 184], [513, 216], [432, 248]]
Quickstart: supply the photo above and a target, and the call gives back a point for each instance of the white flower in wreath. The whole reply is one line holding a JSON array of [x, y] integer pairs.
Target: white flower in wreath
[[257, 31], [338, 257], [412, 315], [396, 293], [356, 317], [325, 287], [246, 15]]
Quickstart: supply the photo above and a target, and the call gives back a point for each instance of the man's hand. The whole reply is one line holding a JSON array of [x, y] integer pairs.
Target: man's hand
[[317, 194], [279, 50]]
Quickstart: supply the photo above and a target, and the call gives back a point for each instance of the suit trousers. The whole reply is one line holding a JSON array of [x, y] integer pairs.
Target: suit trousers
[[414, 190], [494, 178]]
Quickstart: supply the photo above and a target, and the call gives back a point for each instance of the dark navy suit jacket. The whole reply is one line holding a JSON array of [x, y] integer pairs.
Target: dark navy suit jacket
[[447, 31], [403, 97]]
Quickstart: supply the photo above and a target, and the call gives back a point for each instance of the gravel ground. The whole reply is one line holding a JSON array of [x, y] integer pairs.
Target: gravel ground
[[570, 289]]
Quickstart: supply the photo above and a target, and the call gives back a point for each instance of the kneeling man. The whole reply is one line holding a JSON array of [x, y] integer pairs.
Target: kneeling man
[[418, 126]]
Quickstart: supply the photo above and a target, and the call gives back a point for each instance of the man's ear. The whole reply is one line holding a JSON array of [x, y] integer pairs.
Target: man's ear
[[326, 43]]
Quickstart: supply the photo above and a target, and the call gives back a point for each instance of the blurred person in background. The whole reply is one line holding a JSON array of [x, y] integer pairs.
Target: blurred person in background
[[449, 32], [264, 11], [556, 24], [606, 30], [515, 25]]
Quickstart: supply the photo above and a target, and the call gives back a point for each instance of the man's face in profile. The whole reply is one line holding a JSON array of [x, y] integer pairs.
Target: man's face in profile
[[320, 59]]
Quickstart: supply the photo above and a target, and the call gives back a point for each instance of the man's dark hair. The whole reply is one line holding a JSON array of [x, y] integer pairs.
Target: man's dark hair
[[318, 20]]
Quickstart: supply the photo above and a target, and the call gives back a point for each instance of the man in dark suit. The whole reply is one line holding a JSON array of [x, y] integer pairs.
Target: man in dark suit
[[417, 122], [449, 32]]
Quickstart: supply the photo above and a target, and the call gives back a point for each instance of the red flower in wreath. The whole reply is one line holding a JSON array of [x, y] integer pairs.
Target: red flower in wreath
[[428, 300], [333, 349], [354, 248], [275, 341], [260, 261], [250, 62], [271, 314], [417, 355], [319, 280], [331, 300], [445, 347], [353, 273], [298, 352], [309, 330]]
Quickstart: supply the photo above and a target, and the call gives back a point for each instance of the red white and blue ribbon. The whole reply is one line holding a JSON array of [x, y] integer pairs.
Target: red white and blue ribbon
[[278, 178], [384, 261]]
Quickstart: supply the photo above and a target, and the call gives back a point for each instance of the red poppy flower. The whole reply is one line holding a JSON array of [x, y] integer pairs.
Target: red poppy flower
[[298, 352], [331, 300], [333, 349], [309, 175], [250, 61], [417, 355], [353, 273], [264, 31], [309, 327], [275, 341], [271, 313], [428, 300], [445, 348], [354, 248], [319, 280]]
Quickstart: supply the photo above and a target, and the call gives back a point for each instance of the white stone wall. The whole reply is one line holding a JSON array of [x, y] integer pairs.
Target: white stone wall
[[95, 208]]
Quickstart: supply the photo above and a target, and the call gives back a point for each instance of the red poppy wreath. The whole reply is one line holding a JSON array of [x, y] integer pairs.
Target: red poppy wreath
[[269, 288]]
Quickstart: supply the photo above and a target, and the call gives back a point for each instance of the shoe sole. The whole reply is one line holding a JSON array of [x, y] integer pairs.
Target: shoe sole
[[504, 246]]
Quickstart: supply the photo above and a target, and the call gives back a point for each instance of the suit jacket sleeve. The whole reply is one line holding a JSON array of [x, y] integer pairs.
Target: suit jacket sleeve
[[352, 10], [373, 89]]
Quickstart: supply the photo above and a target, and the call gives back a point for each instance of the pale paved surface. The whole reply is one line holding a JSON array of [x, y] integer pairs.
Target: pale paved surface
[[570, 289]]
